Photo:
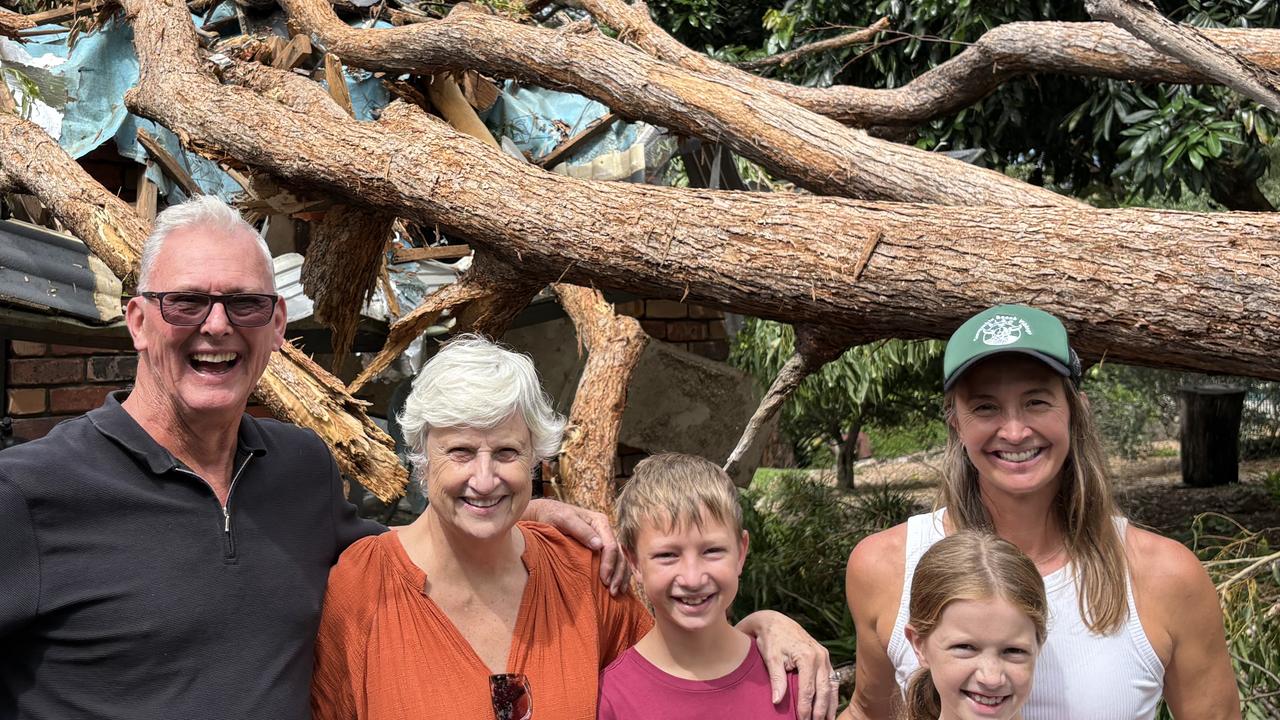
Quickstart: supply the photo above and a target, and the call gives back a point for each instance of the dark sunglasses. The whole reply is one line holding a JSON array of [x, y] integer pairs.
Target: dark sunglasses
[[511, 697], [192, 308]]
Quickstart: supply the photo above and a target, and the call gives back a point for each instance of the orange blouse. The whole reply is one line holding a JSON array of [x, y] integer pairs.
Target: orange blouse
[[385, 650]]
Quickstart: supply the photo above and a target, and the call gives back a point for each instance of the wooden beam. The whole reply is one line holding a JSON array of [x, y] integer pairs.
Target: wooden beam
[[591, 131], [298, 49], [442, 252], [148, 195], [169, 164], [70, 12], [337, 83]]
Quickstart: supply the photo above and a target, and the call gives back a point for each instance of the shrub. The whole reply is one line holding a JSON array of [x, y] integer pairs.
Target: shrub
[[802, 531]]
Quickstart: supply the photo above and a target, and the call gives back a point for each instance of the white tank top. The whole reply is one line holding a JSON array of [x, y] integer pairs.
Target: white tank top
[[1078, 674]]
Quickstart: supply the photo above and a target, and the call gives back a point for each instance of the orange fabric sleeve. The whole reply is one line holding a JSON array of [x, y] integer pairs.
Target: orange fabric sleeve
[[340, 641], [623, 619]]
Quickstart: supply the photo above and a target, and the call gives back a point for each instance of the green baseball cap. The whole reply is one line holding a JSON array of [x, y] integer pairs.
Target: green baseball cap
[[1009, 328]]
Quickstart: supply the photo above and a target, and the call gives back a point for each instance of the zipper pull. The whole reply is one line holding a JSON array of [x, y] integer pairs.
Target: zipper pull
[[226, 514]]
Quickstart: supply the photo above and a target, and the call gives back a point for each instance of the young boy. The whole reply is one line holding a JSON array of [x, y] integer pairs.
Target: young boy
[[680, 527]]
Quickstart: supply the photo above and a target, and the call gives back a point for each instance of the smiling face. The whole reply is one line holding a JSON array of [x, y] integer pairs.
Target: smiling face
[[981, 656], [479, 480], [1012, 417], [193, 374], [689, 574]]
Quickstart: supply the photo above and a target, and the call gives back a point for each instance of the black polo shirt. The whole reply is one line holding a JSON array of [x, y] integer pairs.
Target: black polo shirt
[[127, 592]]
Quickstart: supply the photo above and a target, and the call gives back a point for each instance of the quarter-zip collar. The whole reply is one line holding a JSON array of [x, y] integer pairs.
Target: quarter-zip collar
[[114, 422]]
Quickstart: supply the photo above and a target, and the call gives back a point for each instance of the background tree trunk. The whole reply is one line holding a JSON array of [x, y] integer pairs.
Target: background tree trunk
[[1210, 434], [847, 455]]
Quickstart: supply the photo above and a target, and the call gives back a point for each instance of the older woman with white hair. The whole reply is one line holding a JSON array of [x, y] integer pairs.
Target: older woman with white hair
[[470, 612]]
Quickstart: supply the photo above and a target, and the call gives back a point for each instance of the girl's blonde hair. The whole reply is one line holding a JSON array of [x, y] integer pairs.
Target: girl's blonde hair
[[968, 565], [1084, 506]]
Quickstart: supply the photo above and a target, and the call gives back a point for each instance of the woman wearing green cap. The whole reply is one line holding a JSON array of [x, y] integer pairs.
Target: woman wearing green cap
[[1133, 614]]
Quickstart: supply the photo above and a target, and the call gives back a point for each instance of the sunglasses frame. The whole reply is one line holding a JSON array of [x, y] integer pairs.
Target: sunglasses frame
[[159, 297]]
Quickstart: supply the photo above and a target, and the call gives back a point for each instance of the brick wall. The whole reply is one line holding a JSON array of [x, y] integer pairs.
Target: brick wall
[[692, 327], [50, 383]]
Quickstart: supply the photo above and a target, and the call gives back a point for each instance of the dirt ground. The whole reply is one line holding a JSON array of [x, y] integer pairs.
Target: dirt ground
[[1150, 491]]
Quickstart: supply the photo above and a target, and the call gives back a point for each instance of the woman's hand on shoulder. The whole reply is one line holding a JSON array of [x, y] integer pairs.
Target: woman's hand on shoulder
[[873, 588], [1178, 604], [589, 528], [786, 646]]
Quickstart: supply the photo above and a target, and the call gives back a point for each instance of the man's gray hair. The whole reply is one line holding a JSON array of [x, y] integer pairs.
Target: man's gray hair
[[208, 212], [477, 383]]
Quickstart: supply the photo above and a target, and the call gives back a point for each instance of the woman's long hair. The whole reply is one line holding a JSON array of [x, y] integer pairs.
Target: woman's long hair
[[1085, 507], [968, 565]]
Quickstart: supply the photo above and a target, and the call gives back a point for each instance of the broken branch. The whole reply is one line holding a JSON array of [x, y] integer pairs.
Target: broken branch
[[783, 59]]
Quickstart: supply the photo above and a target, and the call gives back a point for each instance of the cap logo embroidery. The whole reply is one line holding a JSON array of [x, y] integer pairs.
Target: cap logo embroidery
[[1003, 330]]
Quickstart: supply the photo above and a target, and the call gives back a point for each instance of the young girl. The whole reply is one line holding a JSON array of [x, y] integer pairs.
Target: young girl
[[977, 620]]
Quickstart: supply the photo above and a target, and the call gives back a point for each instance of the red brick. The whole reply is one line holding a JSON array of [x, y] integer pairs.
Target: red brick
[[73, 350], [713, 349], [22, 348], [633, 308], [78, 399], [35, 428], [27, 402], [112, 368], [654, 328], [686, 330], [705, 313], [46, 372], [665, 309]]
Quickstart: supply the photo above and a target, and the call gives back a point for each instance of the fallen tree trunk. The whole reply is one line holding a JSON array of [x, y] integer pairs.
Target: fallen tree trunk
[[293, 387], [1005, 52], [814, 151], [1168, 289], [341, 268], [613, 344]]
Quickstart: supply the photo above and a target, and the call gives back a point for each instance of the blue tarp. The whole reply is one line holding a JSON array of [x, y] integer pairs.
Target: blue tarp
[[103, 65]]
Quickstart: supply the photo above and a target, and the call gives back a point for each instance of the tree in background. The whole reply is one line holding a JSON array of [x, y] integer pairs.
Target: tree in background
[[1107, 141], [885, 384]]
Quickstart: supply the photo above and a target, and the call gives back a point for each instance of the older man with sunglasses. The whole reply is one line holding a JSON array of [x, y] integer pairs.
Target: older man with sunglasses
[[165, 555]]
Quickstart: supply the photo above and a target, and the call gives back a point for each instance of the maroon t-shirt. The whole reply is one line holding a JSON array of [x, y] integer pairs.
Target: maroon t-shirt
[[633, 688]]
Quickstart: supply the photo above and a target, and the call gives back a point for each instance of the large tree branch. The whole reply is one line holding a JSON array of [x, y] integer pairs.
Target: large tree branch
[[341, 268], [815, 347], [814, 151], [613, 344], [1190, 45], [1003, 53], [293, 387], [1171, 289], [485, 299]]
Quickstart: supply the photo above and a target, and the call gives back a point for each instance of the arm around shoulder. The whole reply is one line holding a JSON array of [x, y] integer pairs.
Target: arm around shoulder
[[1179, 602], [873, 589]]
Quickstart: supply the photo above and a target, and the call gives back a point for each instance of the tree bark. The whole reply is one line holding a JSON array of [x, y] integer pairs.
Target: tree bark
[[293, 387], [847, 455], [1190, 45], [341, 267], [814, 151], [486, 298], [613, 344], [1209, 439], [832, 43], [1005, 52], [1169, 289], [815, 347]]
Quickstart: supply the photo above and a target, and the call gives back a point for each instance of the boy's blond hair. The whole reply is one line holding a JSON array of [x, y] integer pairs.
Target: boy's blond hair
[[673, 490]]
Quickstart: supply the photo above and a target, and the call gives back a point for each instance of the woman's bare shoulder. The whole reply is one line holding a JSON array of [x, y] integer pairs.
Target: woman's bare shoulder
[[877, 564]]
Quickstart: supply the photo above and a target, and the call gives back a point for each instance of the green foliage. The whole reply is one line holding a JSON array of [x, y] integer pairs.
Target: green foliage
[[1134, 406], [30, 91], [896, 441], [1246, 570], [883, 384], [802, 532]]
